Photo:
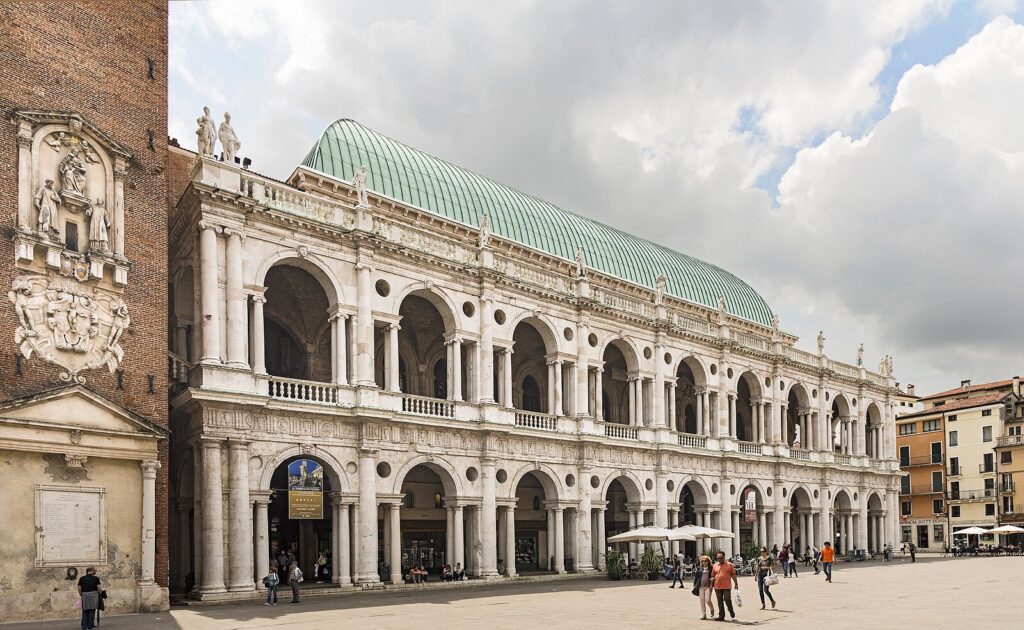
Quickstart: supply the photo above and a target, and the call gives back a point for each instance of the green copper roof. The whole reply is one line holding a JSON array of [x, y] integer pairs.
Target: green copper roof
[[422, 180]]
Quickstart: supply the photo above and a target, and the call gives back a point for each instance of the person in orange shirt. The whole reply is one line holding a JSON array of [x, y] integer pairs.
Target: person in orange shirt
[[828, 556], [723, 576]]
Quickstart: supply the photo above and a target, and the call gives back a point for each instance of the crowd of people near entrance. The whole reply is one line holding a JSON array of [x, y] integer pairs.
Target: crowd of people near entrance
[[716, 582]]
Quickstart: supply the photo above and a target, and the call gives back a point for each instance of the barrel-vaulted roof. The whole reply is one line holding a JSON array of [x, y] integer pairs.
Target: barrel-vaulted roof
[[435, 185]]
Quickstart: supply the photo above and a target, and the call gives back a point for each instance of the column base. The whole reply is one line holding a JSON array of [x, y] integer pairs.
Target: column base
[[209, 590], [153, 597], [242, 588]]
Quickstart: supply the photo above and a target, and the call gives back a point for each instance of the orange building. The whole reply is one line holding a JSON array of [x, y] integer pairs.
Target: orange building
[[919, 445]]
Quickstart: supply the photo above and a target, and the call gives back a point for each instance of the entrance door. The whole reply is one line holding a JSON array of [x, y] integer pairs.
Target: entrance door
[[922, 536]]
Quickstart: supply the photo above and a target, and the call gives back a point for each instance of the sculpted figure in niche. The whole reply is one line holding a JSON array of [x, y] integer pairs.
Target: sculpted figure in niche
[[47, 200], [228, 140], [359, 183], [99, 226], [72, 174], [206, 133]]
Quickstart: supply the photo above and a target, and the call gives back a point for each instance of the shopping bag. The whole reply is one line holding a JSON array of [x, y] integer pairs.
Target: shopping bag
[[736, 597], [771, 579]]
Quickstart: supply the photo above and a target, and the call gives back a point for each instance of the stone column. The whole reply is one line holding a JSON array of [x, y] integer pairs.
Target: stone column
[[598, 394], [213, 518], [458, 536], [184, 548], [26, 206], [813, 531], [339, 349], [510, 541], [486, 372], [804, 521], [736, 542], [238, 320], [449, 535], [569, 402], [705, 411], [787, 526], [148, 572], [209, 292], [455, 369], [343, 556], [601, 544], [672, 407], [488, 517], [631, 394], [261, 542], [843, 529], [732, 416], [364, 333], [391, 373], [239, 518], [198, 485], [639, 398], [366, 557], [762, 527], [559, 552], [259, 352], [558, 410], [506, 372], [394, 511]]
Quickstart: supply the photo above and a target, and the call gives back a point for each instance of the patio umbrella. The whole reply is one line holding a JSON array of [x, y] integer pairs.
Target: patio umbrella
[[1006, 529], [696, 532], [972, 531], [643, 535]]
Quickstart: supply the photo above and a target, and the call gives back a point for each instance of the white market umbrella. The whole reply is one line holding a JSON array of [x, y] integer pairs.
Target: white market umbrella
[[696, 532], [972, 531], [1006, 529], [642, 535]]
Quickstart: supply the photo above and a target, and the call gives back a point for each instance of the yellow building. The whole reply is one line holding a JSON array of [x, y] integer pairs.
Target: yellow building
[[1010, 465], [973, 418]]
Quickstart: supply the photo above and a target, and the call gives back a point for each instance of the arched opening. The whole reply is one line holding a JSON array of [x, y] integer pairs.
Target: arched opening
[[297, 336], [798, 525], [798, 422], [618, 387], [691, 398], [842, 522], [182, 308], [427, 511], [531, 378], [623, 512], [876, 537], [752, 520], [693, 510], [874, 436], [300, 518], [749, 410], [843, 427], [422, 354], [538, 541]]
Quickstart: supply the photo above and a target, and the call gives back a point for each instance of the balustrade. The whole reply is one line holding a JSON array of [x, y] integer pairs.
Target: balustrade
[[622, 431], [302, 391], [423, 406], [536, 420], [693, 441]]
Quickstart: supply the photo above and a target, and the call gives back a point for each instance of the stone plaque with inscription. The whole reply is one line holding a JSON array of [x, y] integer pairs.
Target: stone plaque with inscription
[[70, 526]]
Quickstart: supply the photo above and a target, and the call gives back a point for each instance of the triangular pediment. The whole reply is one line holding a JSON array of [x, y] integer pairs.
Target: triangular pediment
[[78, 407], [41, 117]]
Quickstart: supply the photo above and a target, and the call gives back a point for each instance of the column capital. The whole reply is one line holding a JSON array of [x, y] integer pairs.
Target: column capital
[[149, 467], [394, 326], [231, 231], [260, 497], [258, 299], [452, 339], [209, 441], [206, 225], [237, 445]]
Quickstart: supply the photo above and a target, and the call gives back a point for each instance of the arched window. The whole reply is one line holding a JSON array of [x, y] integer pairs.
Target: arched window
[[441, 379], [531, 394]]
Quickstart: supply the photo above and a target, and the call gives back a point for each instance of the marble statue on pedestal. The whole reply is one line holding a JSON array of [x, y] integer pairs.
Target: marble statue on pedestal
[[359, 183], [796, 436], [721, 309], [229, 142], [860, 354], [47, 201], [581, 263], [821, 342], [206, 133], [660, 283], [485, 230], [776, 331]]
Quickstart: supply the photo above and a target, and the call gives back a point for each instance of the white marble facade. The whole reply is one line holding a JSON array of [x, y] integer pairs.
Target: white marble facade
[[401, 350]]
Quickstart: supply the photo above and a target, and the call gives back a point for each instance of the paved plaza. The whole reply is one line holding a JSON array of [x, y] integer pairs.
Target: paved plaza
[[933, 593]]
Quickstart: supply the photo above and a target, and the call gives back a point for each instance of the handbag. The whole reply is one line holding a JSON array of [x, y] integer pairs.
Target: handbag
[[771, 579], [737, 597], [696, 591]]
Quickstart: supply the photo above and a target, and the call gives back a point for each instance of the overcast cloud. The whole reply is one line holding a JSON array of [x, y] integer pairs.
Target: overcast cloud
[[759, 136]]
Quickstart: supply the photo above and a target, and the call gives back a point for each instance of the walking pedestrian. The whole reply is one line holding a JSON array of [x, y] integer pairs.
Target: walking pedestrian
[[764, 569], [792, 563], [807, 555], [724, 578], [677, 572], [89, 590], [828, 556], [784, 560], [294, 579], [271, 581], [816, 555], [913, 552], [702, 586]]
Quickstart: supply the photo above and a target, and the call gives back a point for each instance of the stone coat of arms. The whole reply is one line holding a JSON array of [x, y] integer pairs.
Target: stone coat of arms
[[68, 323]]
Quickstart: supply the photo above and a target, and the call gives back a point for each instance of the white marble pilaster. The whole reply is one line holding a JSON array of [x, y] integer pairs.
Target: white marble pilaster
[[209, 293], [239, 519], [148, 573]]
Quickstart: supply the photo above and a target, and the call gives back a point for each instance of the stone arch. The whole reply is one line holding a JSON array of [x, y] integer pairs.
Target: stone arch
[[449, 476], [546, 475], [874, 442], [697, 486], [310, 263], [799, 391], [797, 399], [875, 501], [803, 496], [439, 299], [842, 500], [629, 482], [333, 469], [758, 488], [628, 349], [697, 368], [542, 324], [748, 391], [840, 401]]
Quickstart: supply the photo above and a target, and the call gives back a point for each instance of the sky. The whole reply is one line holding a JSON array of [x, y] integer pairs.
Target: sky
[[860, 164]]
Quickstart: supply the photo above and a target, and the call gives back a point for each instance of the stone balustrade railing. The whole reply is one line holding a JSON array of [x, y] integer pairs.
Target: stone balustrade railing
[[751, 341], [692, 441], [800, 454], [621, 431], [692, 325], [535, 420], [424, 406], [177, 369], [287, 199], [281, 388], [845, 460], [843, 369], [750, 448], [622, 303]]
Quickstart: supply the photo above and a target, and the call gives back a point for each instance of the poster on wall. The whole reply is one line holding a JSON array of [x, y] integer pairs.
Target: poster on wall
[[305, 490], [750, 506]]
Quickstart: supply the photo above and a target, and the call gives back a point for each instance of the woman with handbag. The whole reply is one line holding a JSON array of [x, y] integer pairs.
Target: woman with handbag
[[765, 577], [89, 589], [702, 586]]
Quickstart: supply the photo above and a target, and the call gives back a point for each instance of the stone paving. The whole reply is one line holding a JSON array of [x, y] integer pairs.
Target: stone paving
[[978, 593]]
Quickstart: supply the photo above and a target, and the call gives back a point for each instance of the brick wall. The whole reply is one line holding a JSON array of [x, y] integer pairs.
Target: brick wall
[[93, 58]]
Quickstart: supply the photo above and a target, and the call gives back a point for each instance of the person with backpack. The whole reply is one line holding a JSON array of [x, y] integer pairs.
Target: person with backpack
[[271, 581], [294, 579]]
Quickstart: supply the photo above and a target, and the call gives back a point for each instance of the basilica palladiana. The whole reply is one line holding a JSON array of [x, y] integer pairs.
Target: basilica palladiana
[[470, 374]]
